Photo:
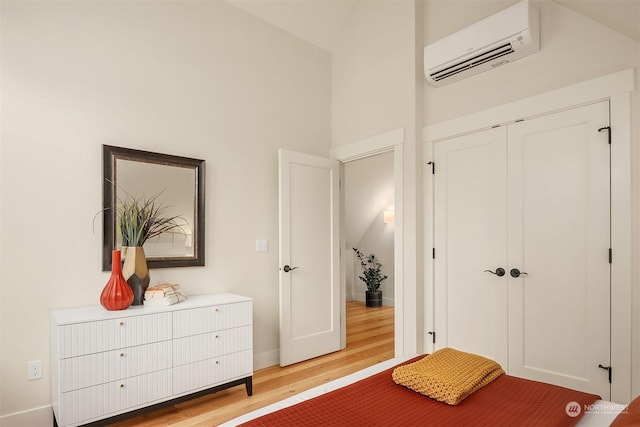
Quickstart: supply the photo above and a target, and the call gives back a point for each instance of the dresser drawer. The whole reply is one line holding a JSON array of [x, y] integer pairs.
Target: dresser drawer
[[99, 368], [103, 335], [211, 319], [205, 346], [88, 404], [211, 372]]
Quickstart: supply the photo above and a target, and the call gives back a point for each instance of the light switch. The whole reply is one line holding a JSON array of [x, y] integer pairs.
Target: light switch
[[262, 245]]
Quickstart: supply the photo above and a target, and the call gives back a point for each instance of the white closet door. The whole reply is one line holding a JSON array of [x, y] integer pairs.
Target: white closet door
[[470, 237], [559, 228]]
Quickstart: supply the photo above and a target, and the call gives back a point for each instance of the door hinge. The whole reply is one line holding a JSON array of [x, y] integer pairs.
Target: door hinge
[[610, 255], [433, 253], [607, 368], [608, 129], [433, 167], [433, 336]]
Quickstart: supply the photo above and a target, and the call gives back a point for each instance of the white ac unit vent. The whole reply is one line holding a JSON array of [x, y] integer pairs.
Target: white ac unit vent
[[501, 38]]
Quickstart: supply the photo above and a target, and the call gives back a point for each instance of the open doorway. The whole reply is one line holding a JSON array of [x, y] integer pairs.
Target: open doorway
[[369, 226]]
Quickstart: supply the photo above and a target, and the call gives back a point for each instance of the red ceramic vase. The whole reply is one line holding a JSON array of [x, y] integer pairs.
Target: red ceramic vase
[[117, 294]]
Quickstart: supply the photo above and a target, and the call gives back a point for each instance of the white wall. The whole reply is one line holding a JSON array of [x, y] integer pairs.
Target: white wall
[[370, 65], [377, 87], [368, 188], [198, 79]]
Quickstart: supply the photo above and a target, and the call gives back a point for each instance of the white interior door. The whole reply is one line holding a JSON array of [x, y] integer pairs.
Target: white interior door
[[471, 237], [309, 256], [559, 228]]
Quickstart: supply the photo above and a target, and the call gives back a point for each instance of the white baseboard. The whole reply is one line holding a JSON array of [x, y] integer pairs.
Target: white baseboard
[[356, 297], [266, 359], [360, 298], [37, 417]]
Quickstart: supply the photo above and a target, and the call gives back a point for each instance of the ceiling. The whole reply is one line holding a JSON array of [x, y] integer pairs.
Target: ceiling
[[320, 22], [620, 15]]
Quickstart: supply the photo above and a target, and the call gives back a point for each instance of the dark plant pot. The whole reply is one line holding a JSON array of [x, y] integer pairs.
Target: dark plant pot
[[373, 298], [136, 272]]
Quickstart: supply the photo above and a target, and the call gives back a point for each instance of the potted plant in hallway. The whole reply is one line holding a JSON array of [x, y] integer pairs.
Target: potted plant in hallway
[[372, 277]]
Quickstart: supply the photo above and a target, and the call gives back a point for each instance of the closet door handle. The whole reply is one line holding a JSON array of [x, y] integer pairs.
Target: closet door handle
[[516, 273], [499, 272], [287, 268]]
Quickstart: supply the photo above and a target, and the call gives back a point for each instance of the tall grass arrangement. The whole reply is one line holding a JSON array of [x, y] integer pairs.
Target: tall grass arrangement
[[141, 219]]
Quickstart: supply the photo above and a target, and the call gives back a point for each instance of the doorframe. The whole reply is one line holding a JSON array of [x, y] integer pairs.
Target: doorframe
[[388, 141], [616, 88]]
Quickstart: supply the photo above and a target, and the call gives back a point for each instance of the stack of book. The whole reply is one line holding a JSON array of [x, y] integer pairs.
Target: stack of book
[[165, 294]]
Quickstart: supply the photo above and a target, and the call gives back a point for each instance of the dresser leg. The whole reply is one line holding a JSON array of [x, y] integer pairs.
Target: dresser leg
[[248, 382]]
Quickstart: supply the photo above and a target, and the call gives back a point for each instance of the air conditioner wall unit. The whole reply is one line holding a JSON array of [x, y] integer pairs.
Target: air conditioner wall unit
[[496, 40]]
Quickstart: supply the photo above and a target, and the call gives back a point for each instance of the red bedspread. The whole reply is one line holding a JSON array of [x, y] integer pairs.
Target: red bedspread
[[378, 401]]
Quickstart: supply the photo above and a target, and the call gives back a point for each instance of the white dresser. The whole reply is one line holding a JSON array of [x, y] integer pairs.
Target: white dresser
[[108, 363]]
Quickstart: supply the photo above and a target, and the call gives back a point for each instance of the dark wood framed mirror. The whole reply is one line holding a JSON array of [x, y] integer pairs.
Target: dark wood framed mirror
[[179, 181]]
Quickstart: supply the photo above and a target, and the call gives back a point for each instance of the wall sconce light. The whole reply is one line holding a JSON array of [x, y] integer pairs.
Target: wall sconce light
[[389, 215]]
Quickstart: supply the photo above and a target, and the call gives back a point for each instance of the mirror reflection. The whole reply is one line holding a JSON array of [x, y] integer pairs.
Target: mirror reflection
[[176, 194], [177, 182]]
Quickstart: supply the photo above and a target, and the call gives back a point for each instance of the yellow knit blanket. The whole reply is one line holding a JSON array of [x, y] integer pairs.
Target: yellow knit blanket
[[448, 375]]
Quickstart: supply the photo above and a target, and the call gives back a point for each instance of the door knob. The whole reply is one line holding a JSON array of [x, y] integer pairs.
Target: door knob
[[499, 272], [516, 273], [287, 269]]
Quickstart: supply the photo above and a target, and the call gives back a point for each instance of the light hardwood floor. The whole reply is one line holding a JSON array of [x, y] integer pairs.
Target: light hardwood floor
[[369, 341]]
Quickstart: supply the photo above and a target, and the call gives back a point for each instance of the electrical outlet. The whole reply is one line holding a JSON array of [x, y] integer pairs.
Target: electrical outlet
[[34, 369]]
